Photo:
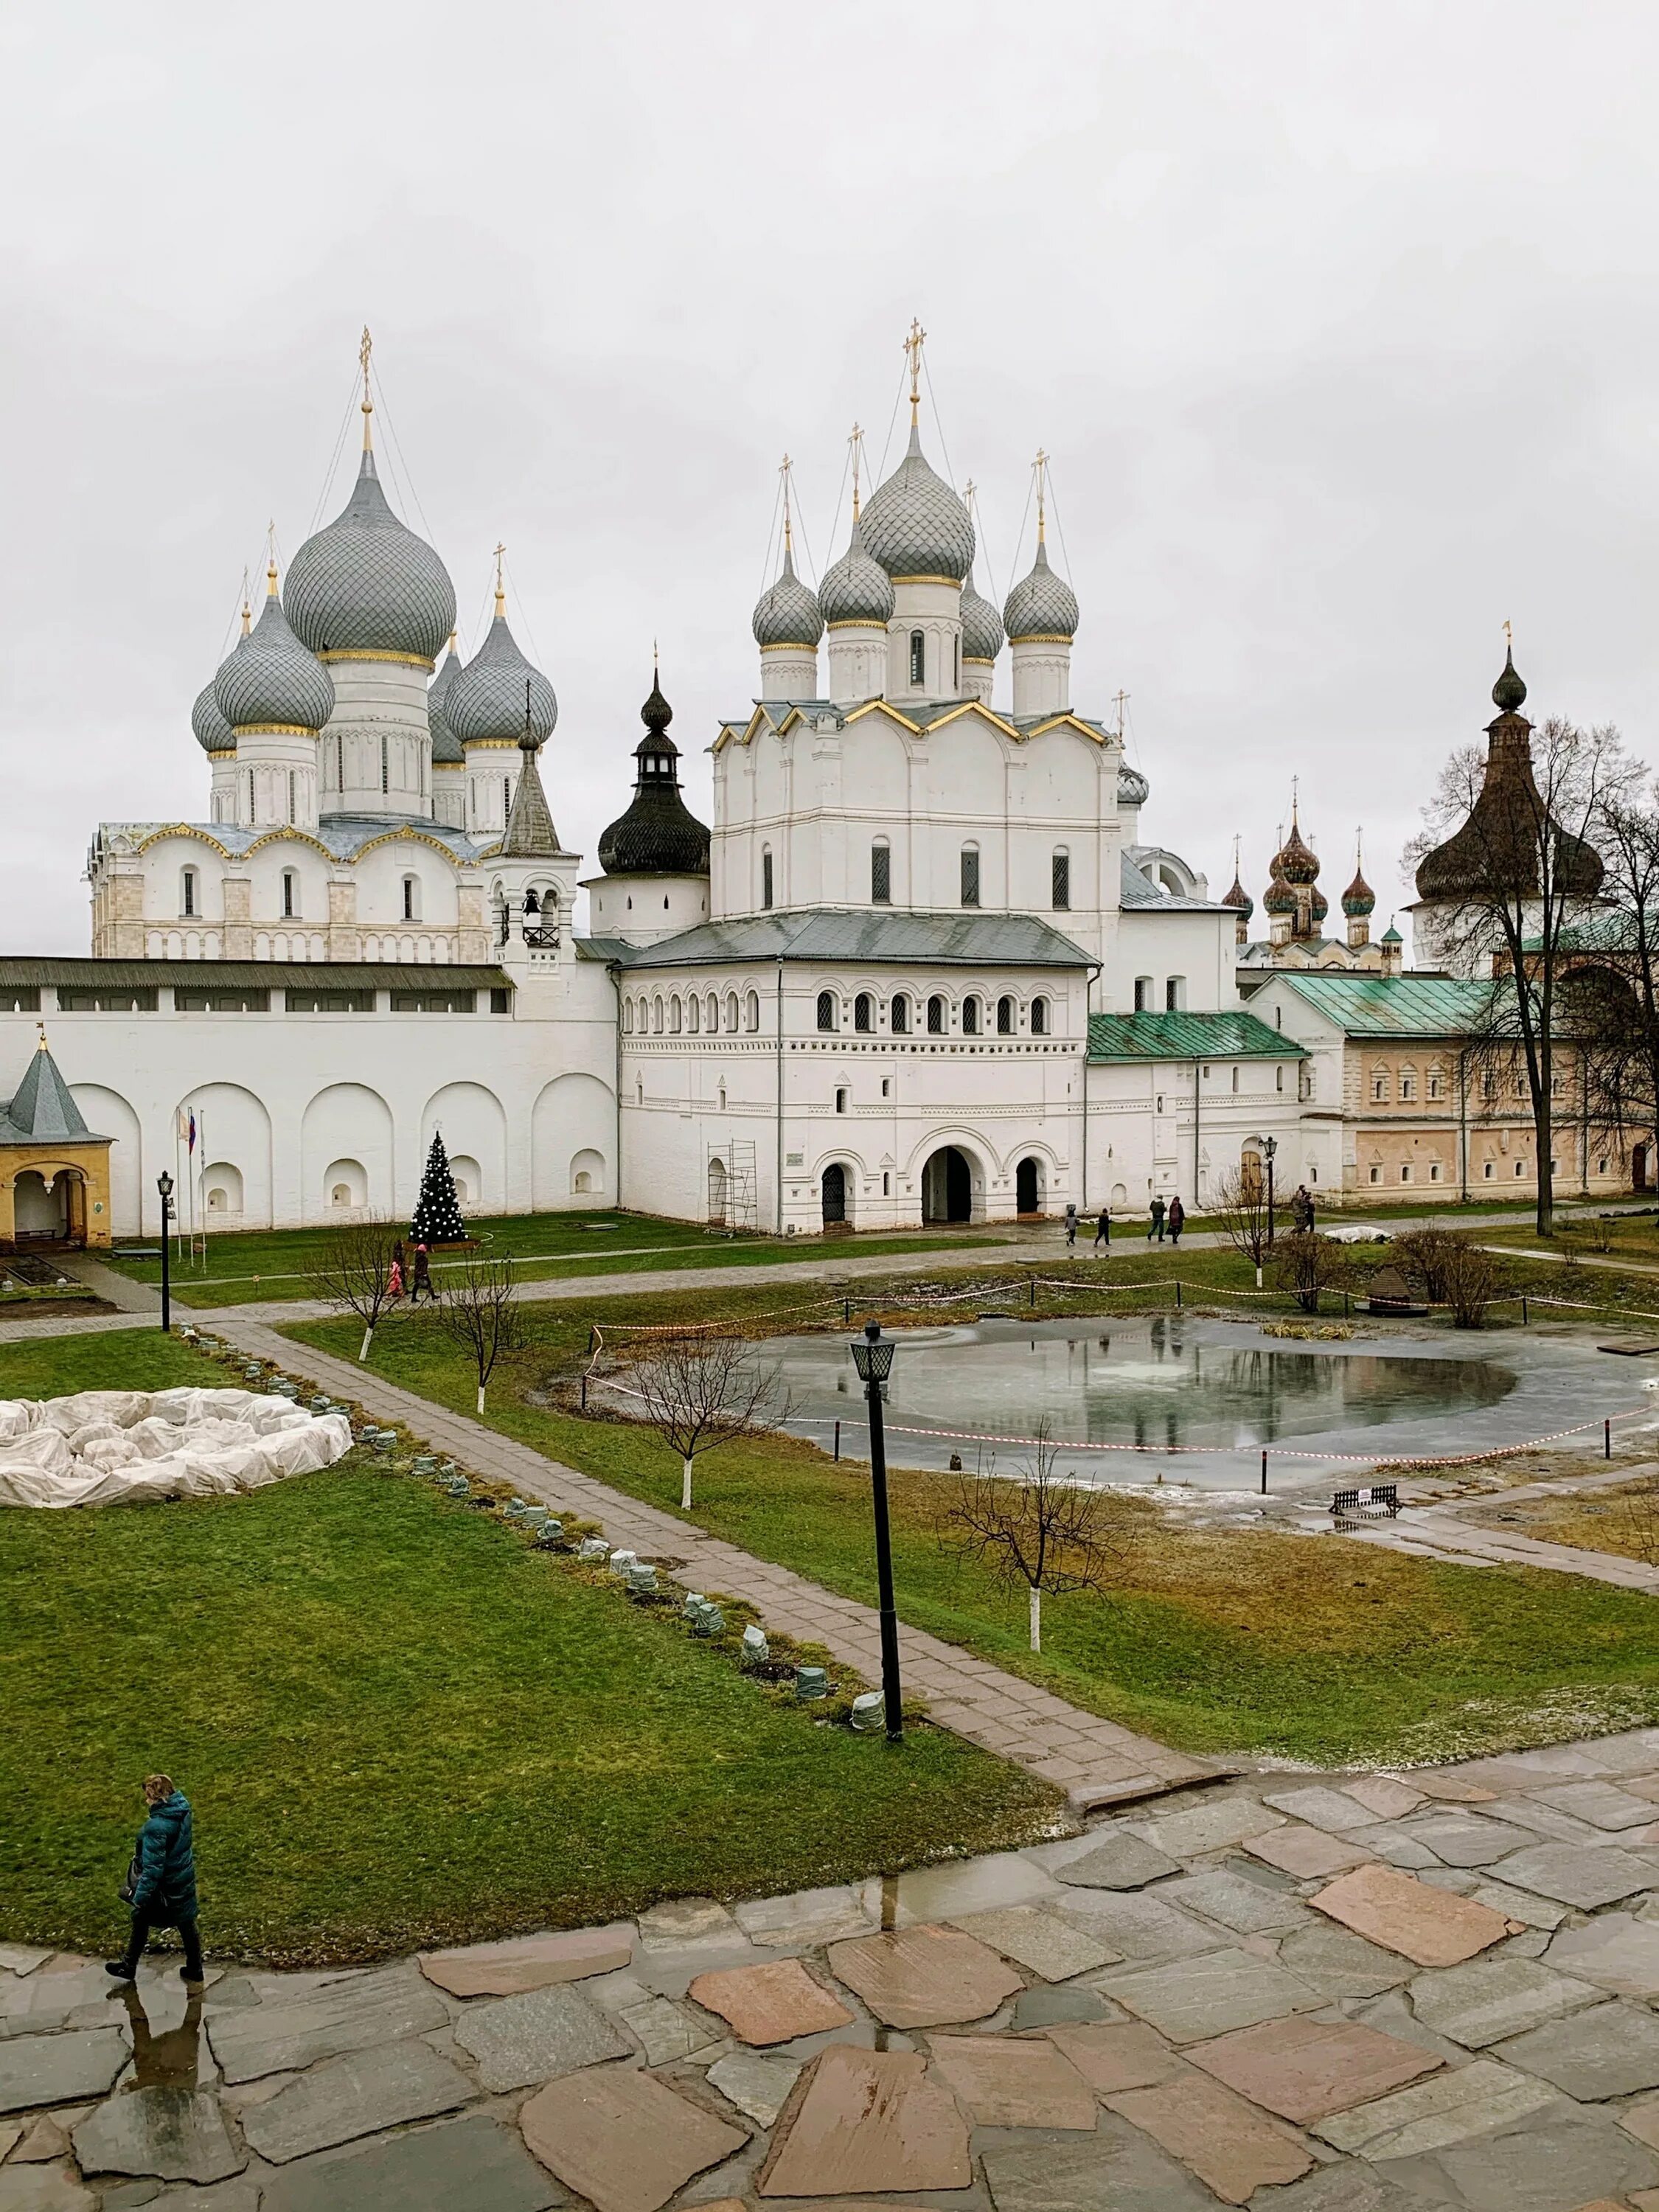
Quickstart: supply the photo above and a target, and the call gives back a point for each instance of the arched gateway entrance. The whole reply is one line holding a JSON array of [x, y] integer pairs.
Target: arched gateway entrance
[[835, 1195], [947, 1187]]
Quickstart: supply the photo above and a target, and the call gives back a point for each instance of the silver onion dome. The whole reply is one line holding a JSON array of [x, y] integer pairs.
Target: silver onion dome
[[271, 681], [981, 625], [213, 733], [915, 525], [788, 611], [446, 745], [1042, 605], [487, 699], [368, 584], [856, 588], [1132, 788]]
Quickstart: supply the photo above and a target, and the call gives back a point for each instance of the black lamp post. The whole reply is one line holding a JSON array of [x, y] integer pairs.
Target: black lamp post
[[873, 1359], [1269, 1146], [164, 1184]]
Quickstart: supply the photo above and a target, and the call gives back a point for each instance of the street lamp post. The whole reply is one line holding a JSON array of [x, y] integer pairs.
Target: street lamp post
[[873, 1359], [1269, 1146], [164, 1184]]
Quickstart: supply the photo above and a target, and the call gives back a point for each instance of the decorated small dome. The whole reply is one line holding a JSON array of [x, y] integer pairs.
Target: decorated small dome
[[1295, 862], [855, 588], [1509, 694], [1359, 898], [1318, 905], [1042, 605], [270, 681], [1132, 788], [981, 625], [1239, 899], [446, 745], [658, 834], [1279, 898], [498, 692], [788, 611], [915, 525], [368, 584]]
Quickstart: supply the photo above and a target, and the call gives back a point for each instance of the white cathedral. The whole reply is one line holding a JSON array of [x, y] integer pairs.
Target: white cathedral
[[924, 967]]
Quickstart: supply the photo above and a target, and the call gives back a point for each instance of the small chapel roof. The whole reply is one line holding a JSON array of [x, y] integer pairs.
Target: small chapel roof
[[41, 1111]]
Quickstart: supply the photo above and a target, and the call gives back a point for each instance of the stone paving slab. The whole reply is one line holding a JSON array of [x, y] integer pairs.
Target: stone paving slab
[[43, 2189], [756, 2082], [1042, 1942], [770, 2004], [1336, 1963], [176, 2135], [1117, 2169], [1114, 2056], [862, 2121], [1490, 1999], [57, 2069], [520, 2040], [1616, 1951], [925, 1977], [1233, 2147], [1248, 1907], [1304, 2070], [354, 2014], [1196, 1999], [1138, 1926], [1546, 2167], [622, 2139], [1124, 1861], [1306, 1852], [529, 1962], [1579, 1876], [472, 2162], [360, 2094], [1431, 1926], [1611, 2050], [1003, 2083], [1448, 2108]]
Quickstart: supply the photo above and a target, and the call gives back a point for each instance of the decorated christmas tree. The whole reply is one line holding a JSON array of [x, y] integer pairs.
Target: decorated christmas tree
[[437, 1211]]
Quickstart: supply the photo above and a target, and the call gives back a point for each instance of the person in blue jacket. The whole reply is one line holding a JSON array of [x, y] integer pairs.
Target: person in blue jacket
[[160, 1884]]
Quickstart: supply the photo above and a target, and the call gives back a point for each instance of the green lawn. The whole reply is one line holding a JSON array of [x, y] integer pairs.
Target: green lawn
[[1242, 1642], [400, 1726], [240, 1265]]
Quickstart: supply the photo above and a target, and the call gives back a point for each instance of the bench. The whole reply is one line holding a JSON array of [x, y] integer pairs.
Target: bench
[[1380, 1503]]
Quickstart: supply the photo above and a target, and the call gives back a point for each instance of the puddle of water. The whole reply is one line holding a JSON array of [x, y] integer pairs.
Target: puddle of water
[[1162, 1384]]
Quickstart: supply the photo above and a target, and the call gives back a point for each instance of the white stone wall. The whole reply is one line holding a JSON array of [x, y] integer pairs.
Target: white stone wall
[[375, 753], [1150, 1136]]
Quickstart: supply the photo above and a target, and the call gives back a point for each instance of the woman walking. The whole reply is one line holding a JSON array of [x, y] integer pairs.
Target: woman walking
[[1177, 1219], [160, 1884]]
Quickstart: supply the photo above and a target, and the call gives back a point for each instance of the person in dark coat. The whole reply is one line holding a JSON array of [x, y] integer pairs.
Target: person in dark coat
[[1103, 1230], [1301, 1210], [422, 1277], [163, 1881], [1177, 1219], [1156, 1227], [1071, 1229]]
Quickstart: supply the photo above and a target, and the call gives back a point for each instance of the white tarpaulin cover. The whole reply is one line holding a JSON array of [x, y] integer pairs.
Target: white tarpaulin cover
[[127, 1447]]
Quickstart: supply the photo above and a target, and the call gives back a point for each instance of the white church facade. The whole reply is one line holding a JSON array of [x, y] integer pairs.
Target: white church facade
[[922, 966]]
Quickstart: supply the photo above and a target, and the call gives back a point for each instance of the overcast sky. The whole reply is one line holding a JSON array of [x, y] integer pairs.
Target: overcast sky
[[1339, 322]]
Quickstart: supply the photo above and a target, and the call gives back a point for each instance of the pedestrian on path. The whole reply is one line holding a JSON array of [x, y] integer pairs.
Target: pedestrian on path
[[1302, 1210], [1177, 1219], [422, 1277], [1104, 1232], [1157, 1226], [161, 1883], [1071, 1230], [394, 1288]]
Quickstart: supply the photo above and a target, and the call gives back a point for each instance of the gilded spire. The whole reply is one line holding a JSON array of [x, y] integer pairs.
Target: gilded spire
[[912, 345], [270, 559], [363, 353], [855, 447], [500, 586], [41, 1026], [1040, 466], [784, 468]]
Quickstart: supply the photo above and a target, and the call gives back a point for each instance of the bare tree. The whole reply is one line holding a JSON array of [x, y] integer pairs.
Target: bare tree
[[1507, 862], [479, 1312], [1611, 983], [1033, 1526], [353, 1269], [1469, 1273], [1427, 1254], [698, 1391], [1238, 1206], [1307, 1263]]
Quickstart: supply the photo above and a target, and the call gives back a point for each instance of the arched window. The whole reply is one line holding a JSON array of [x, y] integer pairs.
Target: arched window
[[1004, 1016], [628, 1017], [936, 1015], [899, 1014], [187, 904], [970, 875], [826, 1010], [674, 1015], [918, 657], [694, 1013], [290, 895], [1059, 879], [385, 771], [731, 1013], [766, 875], [971, 1016], [955, 662], [1039, 1017], [752, 1012], [411, 898], [881, 873], [656, 1016], [864, 1012], [712, 1014], [290, 797]]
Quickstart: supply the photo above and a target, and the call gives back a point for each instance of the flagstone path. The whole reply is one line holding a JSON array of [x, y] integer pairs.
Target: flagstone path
[[1151, 2016]]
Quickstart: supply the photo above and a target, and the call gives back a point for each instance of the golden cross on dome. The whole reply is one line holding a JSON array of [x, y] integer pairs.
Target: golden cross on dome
[[855, 447], [912, 345], [1120, 700], [42, 1028], [784, 467], [363, 352], [1041, 464], [501, 587], [270, 558]]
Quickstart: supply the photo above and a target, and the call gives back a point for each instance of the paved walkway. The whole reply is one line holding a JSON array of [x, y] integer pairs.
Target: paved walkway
[[1094, 1760], [1445, 1532], [1430, 1990]]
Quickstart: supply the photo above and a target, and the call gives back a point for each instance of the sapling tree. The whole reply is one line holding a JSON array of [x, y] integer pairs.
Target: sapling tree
[[1238, 1206], [353, 1269], [1307, 1263], [480, 1313], [1036, 1528], [700, 1390]]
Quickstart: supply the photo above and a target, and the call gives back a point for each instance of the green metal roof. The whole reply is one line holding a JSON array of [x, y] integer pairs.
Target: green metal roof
[[1395, 1005], [1188, 1036]]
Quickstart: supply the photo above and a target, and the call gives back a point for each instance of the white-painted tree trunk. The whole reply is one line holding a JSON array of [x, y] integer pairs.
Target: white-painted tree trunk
[[368, 1338], [1036, 1618], [1258, 1278], [685, 1485], [481, 1392]]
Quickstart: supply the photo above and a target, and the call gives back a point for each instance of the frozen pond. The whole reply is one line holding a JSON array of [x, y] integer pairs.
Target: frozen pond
[[1198, 1400]]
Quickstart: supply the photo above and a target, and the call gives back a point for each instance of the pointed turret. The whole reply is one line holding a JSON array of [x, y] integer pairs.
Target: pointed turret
[[1041, 614]]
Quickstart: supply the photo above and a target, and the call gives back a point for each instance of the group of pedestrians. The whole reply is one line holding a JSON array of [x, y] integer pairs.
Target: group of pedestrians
[[1172, 1218], [414, 1276]]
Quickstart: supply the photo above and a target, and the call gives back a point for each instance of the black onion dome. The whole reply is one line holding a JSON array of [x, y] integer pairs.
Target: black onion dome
[[659, 836], [1495, 854]]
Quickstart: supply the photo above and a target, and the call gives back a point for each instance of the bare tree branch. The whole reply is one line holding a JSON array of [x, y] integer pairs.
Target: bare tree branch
[[703, 1390], [1238, 1207], [353, 1269], [479, 1312]]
